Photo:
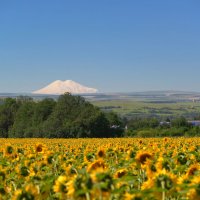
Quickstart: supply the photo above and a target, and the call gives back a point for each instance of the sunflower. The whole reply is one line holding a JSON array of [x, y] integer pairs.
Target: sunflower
[[120, 173], [101, 153], [150, 168], [17, 194], [39, 148], [96, 165], [128, 196], [163, 163], [32, 189], [105, 184], [30, 192], [8, 150], [194, 192], [193, 170], [70, 171], [162, 180], [70, 188], [60, 185], [142, 157], [88, 157]]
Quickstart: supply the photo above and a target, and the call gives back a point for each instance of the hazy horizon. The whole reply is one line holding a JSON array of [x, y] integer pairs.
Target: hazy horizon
[[113, 46]]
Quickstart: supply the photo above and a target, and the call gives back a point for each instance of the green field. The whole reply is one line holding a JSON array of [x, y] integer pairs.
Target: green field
[[130, 108]]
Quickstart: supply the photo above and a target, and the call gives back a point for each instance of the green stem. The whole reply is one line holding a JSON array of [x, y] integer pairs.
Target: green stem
[[87, 196], [163, 192]]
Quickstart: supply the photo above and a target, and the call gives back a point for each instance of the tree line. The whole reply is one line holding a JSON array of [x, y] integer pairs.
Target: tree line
[[68, 117], [74, 117], [153, 127]]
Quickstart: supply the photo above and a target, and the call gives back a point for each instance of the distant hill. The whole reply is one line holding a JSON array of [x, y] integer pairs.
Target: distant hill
[[93, 95], [60, 87]]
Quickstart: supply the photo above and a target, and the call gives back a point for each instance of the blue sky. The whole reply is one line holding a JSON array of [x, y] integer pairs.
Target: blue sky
[[111, 45]]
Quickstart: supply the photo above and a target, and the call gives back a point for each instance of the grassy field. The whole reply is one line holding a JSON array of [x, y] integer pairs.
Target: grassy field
[[100, 169], [148, 108]]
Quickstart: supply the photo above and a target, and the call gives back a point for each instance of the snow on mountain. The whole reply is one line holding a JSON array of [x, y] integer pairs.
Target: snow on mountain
[[60, 87]]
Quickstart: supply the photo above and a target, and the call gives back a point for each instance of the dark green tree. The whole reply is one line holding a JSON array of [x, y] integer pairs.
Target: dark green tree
[[7, 114], [23, 121], [180, 122], [74, 117]]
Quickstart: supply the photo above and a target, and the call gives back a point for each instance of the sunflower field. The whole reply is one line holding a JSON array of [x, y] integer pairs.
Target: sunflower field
[[115, 169]]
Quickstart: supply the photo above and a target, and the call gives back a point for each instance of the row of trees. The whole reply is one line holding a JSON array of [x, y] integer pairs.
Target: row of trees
[[70, 116], [140, 123], [152, 127]]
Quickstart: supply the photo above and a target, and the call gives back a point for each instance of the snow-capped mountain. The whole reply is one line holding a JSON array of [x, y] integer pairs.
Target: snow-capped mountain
[[60, 87]]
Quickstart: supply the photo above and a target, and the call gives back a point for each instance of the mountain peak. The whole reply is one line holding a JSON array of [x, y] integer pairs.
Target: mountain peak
[[60, 87]]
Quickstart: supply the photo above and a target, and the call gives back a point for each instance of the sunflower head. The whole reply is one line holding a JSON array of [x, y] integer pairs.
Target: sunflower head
[[9, 150], [101, 153], [128, 196], [192, 170], [181, 158], [60, 185], [39, 148], [21, 194], [142, 157], [164, 181], [194, 193], [24, 171], [120, 173], [98, 164], [32, 189]]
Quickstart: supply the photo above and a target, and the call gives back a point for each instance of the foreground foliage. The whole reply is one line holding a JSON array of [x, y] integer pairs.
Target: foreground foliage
[[100, 169]]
